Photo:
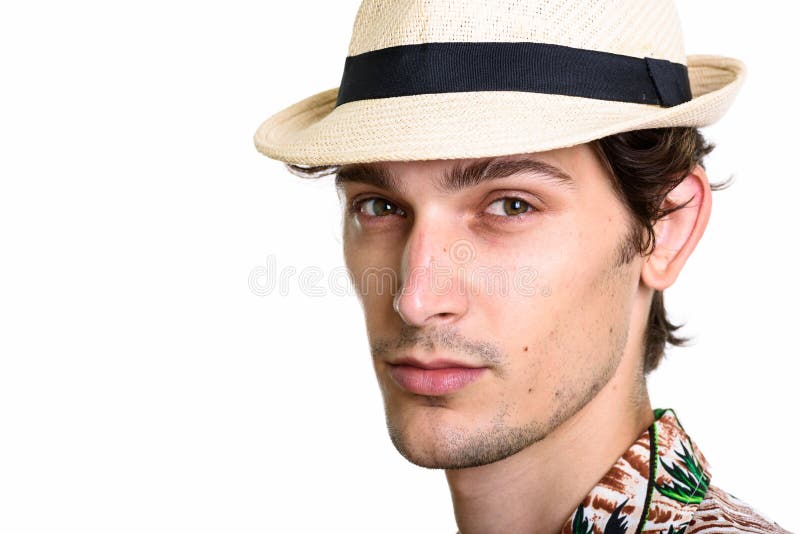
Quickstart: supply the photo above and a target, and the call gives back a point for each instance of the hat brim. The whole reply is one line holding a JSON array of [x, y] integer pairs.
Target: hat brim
[[314, 131]]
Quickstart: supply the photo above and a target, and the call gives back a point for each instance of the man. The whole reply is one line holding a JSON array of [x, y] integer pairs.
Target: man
[[522, 179]]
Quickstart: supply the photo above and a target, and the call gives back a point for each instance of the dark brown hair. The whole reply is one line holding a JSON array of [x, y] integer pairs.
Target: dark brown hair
[[645, 165]]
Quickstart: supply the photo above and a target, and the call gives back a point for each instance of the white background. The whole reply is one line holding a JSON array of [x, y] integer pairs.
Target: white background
[[145, 388]]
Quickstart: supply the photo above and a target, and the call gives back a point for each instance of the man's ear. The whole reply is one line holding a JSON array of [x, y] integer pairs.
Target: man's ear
[[677, 234]]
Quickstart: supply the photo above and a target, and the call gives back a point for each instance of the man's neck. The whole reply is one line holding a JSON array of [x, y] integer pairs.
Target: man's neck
[[536, 490]]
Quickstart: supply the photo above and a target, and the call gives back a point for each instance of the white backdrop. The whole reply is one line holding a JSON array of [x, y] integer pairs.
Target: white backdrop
[[145, 388]]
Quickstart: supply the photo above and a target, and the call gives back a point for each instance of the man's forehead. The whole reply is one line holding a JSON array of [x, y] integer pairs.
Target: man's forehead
[[457, 175]]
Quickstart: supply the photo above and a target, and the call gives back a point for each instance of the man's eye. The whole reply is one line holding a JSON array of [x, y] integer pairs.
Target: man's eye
[[377, 207], [509, 207]]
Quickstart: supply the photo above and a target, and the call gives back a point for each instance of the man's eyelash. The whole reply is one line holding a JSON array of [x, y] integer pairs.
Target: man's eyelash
[[531, 208], [354, 207]]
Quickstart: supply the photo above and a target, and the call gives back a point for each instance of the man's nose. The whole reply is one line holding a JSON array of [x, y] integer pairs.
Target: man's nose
[[433, 285]]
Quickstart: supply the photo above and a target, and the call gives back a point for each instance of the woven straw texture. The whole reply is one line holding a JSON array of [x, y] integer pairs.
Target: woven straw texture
[[630, 27], [490, 123]]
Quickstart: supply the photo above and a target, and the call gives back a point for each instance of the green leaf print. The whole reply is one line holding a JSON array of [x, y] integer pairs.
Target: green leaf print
[[581, 525], [681, 530], [688, 485]]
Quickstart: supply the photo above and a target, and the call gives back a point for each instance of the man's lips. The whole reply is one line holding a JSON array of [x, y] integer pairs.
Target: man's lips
[[439, 363], [435, 377]]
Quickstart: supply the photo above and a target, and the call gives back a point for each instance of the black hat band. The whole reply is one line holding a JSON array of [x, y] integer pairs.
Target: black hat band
[[427, 68]]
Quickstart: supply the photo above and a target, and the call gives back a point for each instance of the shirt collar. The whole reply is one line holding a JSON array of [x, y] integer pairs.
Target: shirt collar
[[662, 473]]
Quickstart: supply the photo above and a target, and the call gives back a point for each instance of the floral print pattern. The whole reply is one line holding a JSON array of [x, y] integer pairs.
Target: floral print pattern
[[664, 474]]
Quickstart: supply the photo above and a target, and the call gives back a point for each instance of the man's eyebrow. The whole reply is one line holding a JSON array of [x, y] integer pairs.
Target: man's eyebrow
[[459, 177], [369, 174], [477, 172]]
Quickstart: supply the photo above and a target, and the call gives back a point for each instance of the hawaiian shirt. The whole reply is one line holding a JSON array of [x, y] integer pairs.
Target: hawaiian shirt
[[661, 485]]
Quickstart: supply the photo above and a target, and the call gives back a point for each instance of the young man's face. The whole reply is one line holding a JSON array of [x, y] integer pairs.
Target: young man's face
[[523, 274]]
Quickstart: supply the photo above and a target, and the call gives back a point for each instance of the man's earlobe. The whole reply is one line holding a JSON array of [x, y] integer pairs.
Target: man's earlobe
[[677, 234]]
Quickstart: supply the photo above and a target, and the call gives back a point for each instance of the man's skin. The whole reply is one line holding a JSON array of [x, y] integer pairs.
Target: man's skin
[[564, 395]]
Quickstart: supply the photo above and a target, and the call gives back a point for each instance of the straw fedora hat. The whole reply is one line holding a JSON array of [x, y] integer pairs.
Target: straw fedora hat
[[442, 79]]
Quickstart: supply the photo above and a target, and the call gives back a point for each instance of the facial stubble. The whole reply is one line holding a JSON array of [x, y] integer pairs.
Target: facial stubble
[[459, 446]]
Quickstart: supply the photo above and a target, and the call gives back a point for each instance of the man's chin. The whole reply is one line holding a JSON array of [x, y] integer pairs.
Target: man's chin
[[445, 441], [426, 437], [423, 452]]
